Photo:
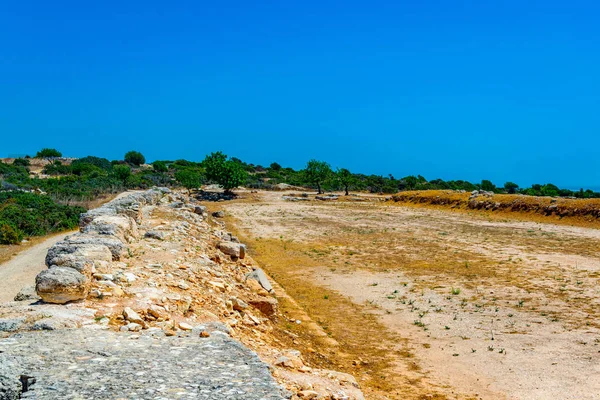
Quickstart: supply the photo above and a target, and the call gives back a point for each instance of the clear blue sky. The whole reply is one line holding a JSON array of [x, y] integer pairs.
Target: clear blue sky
[[503, 90]]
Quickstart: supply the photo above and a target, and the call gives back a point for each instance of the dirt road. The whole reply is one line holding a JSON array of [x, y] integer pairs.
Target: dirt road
[[22, 269], [465, 306]]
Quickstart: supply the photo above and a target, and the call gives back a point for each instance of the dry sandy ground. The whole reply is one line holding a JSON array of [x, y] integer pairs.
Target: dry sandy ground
[[22, 269], [488, 308]]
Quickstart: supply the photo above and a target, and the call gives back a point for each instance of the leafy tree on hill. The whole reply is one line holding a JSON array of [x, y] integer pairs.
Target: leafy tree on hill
[[48, 153], [346, 178], [511, 187], [227, 173], [275, 166], [189, 179], [317, 172], [488, 186], [135, 158]]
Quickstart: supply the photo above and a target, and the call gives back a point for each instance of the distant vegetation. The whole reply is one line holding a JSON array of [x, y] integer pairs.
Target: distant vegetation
[[28, 214], [88, 177], [85, 179]]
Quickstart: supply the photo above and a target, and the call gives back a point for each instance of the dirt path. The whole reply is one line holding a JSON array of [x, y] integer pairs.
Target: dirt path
[[22, 269], [488, 309]]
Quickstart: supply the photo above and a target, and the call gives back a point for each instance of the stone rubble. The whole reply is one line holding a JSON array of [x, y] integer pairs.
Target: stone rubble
[[154, 267]]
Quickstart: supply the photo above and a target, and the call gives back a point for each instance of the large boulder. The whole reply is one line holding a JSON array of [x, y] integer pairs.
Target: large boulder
[[114, 244], [235, 250], [123, 227], [129, 205], [78, 256], [60, 285]]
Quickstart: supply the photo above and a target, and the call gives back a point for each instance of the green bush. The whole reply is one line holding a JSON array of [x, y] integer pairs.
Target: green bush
[[122, 172], [23, 162], [9, 234], [35, 215], [135, 158], [57, 168], [160, 166], [99, 162]]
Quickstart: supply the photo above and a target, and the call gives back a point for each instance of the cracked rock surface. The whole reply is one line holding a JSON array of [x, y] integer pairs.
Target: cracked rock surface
[[101, 364]]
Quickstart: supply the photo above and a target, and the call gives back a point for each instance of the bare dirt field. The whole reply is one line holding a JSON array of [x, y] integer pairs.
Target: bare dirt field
[[436, 304]]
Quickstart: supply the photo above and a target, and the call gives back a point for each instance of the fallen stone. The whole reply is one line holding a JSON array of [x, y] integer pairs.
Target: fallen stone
[[259, 276], [104, 277], [27, 293], [155, 235], [238, 305], [218, 286], [157, 312], [185, 327], [134, 327], [60, 285], [200, 210], [236, 250], [132, 316]]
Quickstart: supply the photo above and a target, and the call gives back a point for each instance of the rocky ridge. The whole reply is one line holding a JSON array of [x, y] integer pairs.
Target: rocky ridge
[[155, 268]]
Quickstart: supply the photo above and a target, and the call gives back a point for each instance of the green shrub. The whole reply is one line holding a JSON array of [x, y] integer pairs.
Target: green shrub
[[23, 162], [135, 158], [121, 172], [160, 166], [57, 168], [99, 162], [9, 234]]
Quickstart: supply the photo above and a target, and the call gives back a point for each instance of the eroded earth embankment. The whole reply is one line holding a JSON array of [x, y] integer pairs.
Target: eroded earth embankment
[[435, 303], [154, 299]]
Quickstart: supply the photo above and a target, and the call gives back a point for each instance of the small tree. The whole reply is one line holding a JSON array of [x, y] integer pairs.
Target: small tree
[[511, 187], [317, 172], [488, 186], [48, 153], [346, 178], [227, 173], [135, 158], [275, 166], [189, 179]]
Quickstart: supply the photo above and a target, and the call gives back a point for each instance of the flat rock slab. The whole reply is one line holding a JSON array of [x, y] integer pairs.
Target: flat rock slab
[[101, 364]]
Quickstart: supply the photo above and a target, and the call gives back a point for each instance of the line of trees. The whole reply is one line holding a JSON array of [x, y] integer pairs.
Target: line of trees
[[87, 177]]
